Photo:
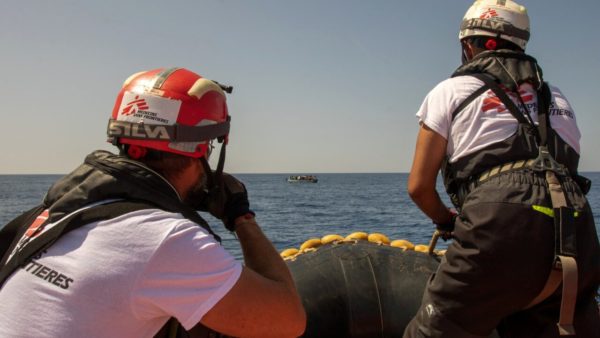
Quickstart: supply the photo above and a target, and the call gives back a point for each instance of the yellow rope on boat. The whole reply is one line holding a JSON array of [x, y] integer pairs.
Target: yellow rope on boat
[[378, 238], [313, 244], [403, 244], [357, 236], [331, 238]]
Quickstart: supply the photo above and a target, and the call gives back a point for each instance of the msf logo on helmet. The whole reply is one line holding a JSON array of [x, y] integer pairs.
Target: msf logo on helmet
[[135, 105], [138, 130], [489, 13]]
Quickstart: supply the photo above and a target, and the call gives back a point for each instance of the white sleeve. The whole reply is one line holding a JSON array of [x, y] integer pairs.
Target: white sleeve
[[188, 274], [435, 111], [562, 119]]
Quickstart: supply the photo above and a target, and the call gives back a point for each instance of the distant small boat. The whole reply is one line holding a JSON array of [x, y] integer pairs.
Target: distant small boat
[[303, 178]]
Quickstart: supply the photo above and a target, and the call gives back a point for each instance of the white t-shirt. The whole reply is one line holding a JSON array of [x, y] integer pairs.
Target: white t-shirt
[[123, 277], [486, 120]]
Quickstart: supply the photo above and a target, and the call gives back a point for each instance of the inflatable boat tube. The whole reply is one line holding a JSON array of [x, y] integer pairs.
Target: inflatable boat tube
[[361, 285], [360, 288]]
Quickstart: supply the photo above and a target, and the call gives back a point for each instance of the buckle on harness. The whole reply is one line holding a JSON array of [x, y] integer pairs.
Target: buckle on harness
[[545, 162]]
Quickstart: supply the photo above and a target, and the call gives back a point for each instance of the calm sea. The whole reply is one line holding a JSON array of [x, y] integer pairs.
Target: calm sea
[[291, 213]]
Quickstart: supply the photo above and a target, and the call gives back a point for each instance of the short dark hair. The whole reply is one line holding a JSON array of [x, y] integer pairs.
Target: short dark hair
[[169, 165]]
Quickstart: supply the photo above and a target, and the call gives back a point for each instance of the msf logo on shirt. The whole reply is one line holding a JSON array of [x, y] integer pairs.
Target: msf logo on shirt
[[34, 229], [133, 106], [493, 103]]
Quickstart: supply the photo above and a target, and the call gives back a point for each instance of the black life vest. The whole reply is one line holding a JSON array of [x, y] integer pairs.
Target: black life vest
[[117, 184], [509, 69], [539, 145]]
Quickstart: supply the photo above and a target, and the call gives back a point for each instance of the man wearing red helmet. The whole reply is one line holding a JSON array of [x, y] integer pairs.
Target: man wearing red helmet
[[117, 247], [508, 147]]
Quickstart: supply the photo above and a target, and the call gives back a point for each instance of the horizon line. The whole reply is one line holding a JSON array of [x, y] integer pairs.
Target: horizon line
[[273, 173]]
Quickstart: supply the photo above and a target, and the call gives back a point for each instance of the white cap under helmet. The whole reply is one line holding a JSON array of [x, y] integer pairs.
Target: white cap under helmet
[[504, 19]]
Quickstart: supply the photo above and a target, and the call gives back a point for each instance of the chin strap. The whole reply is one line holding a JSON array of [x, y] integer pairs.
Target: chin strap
[[214, 179]]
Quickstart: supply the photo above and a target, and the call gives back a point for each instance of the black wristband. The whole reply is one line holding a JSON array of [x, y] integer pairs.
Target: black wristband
[[447, 226], [231, 226]]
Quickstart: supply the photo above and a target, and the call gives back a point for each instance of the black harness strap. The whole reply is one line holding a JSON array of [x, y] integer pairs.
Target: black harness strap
[[469, 99], [77, 219], [565, 266], [501, 94], [544, 96], [565, 246]]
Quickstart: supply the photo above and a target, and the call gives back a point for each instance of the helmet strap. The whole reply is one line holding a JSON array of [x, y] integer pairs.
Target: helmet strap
[[465, 51], [214, 179], [463, 57], [221, 163]]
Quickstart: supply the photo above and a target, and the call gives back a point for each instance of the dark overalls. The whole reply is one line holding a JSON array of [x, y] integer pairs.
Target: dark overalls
[[504, 239]]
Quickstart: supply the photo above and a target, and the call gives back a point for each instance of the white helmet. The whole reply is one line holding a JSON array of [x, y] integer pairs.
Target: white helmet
[[504, 19]]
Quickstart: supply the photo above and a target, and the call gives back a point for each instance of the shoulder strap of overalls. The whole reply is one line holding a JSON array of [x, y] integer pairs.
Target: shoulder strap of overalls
[[565, 245], [565, 239], [564, 227], [491, 84], [469, 99]]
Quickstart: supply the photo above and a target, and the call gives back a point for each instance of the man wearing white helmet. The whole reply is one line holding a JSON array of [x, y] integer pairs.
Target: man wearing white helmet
[[117, 247], [524, 238]]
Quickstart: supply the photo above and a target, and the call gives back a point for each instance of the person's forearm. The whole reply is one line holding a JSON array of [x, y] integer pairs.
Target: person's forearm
[[431, 204], [429, 155], [259, 253], [264, 301]]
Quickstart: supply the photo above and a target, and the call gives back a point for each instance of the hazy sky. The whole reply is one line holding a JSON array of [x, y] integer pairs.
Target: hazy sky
[[319, 86]]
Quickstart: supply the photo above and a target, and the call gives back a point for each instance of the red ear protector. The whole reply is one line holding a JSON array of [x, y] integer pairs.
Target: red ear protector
[[491, 44], [136, 152]]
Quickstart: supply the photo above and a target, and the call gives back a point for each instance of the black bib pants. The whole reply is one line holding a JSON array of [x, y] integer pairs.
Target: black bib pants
[[500, 260]]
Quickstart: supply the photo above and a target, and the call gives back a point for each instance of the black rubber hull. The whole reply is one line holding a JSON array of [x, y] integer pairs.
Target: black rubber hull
[[360, 289]]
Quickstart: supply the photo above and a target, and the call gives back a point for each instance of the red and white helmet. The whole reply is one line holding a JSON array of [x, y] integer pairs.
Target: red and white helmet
[[503, 19], [169, 109]]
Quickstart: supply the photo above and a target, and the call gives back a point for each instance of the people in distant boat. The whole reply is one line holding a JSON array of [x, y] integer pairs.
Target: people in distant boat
[[117, 247], [510, 166], [303, 178]]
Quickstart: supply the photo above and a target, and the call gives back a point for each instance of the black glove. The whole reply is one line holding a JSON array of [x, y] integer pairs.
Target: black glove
[[228, 201], [446, 229], [584, 183]]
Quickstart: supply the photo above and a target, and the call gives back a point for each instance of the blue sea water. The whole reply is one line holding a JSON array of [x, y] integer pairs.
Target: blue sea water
[[291, 213]]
